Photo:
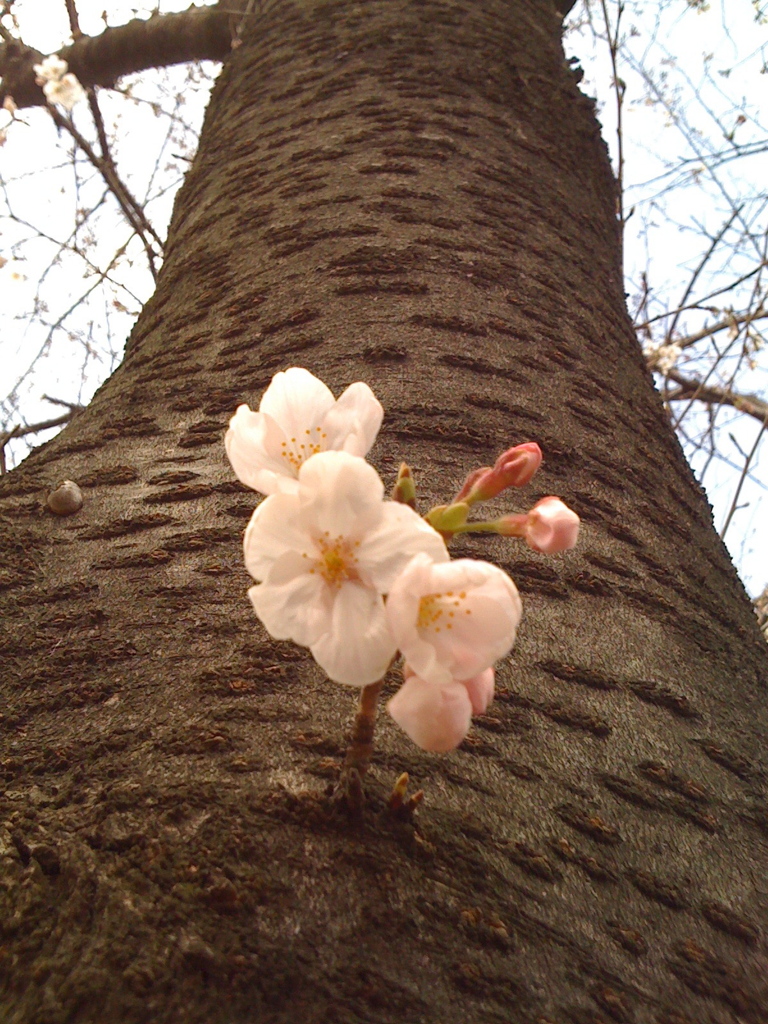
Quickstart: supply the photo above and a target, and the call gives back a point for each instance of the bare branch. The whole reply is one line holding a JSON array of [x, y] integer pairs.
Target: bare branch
[[33, 428], [695, 390], [747, 460], [195, 34], [134, 213], [721, 325]]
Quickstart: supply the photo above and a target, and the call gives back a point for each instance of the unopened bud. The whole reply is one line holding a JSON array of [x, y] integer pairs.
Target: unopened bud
[[404, 490], [514, 468], [549, 527], [448, 518], [552, 526], [472, 479]]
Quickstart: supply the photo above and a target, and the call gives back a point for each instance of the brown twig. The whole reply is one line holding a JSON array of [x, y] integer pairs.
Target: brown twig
[[74, 21], [747, 460], [32, 428], [710, 394], [132, 210], [359, 752]]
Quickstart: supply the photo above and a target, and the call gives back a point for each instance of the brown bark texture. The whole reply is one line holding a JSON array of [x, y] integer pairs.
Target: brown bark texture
[[414, 194]]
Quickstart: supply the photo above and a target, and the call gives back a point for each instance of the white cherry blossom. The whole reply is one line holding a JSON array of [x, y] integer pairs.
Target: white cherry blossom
[[51, 69], [58, 85], [298, 417], [452, 620], [326, 554]]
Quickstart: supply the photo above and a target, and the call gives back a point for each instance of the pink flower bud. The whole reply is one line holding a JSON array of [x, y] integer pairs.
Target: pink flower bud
[[514, 468], [437, 716], [480, 689], [471, 480], [551, 526]]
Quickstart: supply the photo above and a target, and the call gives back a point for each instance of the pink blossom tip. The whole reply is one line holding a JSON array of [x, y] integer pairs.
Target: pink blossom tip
[[437, 716], [513, 468], [551, 526]]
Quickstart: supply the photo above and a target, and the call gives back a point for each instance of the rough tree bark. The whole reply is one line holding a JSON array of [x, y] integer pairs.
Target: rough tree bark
[[414, 194]]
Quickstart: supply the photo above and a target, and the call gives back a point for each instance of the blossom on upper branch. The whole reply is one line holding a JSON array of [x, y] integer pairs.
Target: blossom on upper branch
[[298, 417], [326, 553], [58, 85]]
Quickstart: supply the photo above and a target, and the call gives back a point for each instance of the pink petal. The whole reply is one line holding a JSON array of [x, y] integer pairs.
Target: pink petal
[[480, 689], [552, 526], [436, 717]]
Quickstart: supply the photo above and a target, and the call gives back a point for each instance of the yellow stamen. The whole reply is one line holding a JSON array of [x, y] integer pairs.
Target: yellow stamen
[[296, 453], [436, 610], [337, 563]]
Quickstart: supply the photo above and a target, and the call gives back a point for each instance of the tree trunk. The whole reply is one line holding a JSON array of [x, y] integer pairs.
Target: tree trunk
[[413, 194]]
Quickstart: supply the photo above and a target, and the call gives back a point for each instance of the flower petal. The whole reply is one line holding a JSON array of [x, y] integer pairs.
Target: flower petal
[[400, 534], [296, 400], [340, 495], [465, 619], [480, 689], [292, 603], [353, 422], [255, 447], [357, 648], [274, 529], [436, 717]]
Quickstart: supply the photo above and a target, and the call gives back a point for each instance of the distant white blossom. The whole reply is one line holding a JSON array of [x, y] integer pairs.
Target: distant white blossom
[[58, 85], [665, 357], [326, 553], [298, 417], [52, 69]]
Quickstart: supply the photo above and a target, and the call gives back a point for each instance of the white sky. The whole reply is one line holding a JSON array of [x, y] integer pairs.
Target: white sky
[[714, 62]]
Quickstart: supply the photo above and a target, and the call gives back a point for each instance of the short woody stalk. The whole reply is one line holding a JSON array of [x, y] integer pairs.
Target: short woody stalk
[[360, 749], [361, 746]]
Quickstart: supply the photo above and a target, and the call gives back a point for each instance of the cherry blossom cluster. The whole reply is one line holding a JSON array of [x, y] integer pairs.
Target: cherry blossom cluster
[[59, 84], [357, 578]]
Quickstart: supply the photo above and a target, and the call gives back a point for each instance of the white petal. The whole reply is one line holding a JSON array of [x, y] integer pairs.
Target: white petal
[[478, 639], [67, 91], [402, 615], [436, 717], [292, 603], [254, 444], [296, 400], [353, 422], [274, 529], [340, 495], [358, 648], [400, 534]]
